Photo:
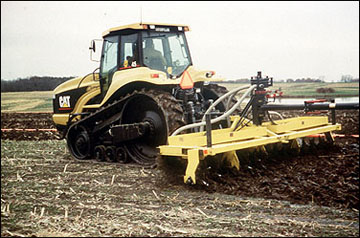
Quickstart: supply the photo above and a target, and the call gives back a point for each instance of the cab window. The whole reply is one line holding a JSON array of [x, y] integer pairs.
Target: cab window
[[129, 51], [166, 51]]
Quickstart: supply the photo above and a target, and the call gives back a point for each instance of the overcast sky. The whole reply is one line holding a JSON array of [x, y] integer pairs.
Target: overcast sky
[[236, 39]]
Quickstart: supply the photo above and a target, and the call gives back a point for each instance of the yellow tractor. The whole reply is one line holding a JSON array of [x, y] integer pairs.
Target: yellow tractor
[[148, 101], [146, 88]]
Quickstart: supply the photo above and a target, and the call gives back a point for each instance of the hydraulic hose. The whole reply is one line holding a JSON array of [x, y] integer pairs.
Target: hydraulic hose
[[226, 114], [232, 93], [276, 113], [312, 106]]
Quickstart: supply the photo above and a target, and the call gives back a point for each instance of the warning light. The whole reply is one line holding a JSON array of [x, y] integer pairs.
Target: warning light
[[186, 81], [210, 74], [154, 75]]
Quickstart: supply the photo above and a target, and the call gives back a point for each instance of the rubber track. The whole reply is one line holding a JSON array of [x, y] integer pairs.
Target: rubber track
[[171, 107]]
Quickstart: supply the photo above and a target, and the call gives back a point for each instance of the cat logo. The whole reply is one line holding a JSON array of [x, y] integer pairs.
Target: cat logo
[[64, 101]]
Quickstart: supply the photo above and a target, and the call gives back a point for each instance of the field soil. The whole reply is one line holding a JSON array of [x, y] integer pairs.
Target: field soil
[[28, 120], [44, 192]]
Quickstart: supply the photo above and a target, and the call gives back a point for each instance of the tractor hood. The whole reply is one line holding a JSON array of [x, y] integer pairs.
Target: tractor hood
[[79, 82]]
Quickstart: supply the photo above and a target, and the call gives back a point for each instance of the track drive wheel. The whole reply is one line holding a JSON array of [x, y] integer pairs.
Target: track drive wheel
[[164, 114]]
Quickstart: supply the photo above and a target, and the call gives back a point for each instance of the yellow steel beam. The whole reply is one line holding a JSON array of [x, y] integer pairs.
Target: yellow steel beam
[[181, 150], [297, 123], [177, 150], [221, 148], [218, 136]]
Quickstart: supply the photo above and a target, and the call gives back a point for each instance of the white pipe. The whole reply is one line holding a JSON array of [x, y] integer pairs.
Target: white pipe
[[276, 113], [234, 91], [227, 113], [233, 108]]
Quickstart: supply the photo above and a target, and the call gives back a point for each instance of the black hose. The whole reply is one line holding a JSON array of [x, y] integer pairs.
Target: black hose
[[243, 112], [311, 106]]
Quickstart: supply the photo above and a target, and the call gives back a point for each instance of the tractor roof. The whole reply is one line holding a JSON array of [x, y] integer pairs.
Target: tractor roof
[[143, 26]]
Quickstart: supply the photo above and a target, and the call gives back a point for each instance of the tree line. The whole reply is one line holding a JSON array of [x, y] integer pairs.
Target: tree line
[[34, 83], [305, 80], [349, 79]]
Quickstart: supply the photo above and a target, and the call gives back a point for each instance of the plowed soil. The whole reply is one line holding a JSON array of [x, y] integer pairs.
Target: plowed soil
[[10, 120], [326, 176], [322, 173]]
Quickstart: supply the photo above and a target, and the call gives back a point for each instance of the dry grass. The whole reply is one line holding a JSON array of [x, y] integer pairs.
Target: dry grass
[[37, 101], [45, 193], [22, 105]]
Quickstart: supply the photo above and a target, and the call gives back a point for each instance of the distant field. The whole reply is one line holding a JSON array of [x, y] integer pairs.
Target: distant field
[[37, 101], [42, 101]]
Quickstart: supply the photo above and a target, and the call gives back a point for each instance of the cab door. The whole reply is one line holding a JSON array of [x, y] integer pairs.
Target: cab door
[[109, 62]]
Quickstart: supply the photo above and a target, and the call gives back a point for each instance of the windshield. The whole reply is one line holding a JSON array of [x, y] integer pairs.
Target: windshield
[[167, 52]]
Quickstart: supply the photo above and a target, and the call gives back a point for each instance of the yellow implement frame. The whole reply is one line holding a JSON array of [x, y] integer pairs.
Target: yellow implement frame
[[193, 146]]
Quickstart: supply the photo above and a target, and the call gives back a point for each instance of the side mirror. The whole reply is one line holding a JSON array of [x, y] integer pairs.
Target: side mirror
[[93, 45]]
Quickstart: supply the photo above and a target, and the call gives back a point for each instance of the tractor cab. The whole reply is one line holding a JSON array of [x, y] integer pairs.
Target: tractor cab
[[156, 46]]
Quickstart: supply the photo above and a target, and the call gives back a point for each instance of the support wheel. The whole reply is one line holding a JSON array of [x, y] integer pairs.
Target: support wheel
[[99, 153], [110, 153], [121, 156]]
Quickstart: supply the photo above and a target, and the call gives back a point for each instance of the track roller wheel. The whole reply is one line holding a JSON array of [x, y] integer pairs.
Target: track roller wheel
[[99, 153], [110, 153], [121, 156]]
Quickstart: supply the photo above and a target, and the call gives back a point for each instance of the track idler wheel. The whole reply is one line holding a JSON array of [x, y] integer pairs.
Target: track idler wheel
[[79, 143]]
